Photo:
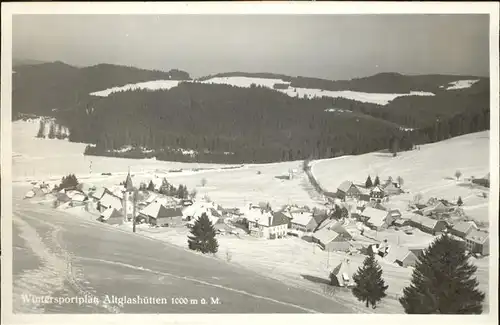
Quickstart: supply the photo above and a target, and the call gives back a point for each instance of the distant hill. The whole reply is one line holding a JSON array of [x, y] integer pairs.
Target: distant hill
[[47, 87], [19, 62]]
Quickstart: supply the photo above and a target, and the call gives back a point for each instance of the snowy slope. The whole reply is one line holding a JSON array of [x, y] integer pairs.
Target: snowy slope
[[150, 85], [429, 171]]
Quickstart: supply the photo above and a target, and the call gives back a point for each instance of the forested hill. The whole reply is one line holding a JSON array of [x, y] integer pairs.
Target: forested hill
[[44, 88], [386, 83], [226, 124]]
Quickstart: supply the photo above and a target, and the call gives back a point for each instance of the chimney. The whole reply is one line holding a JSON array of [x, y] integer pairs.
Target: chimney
[[269, 219]]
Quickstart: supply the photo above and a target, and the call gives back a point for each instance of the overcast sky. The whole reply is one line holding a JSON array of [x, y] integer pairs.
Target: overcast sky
[[326, 46]]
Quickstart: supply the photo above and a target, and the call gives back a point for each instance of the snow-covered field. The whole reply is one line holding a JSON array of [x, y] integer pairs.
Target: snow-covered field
[[460, 84], [43, 159], [150, 85], [429, 171], [245, 82]]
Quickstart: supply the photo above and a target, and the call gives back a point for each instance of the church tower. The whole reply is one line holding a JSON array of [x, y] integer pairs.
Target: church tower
[[127, 194]]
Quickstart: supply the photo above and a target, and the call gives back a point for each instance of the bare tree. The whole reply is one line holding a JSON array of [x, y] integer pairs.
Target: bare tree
[[400, 181], [417, 197], [458, 174], [203, 182]]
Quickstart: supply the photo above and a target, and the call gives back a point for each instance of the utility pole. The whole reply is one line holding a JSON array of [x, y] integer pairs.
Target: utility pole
[[134, 200]]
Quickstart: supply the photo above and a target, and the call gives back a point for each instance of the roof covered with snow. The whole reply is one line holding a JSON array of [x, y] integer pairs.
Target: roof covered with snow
[[345, 186], [375, 216], [325, 235], [109, 200], [98, 193], [111, 213], [397, 253], [464, 226], [424, 221], [156, 210], [302, 218], [478, 236]]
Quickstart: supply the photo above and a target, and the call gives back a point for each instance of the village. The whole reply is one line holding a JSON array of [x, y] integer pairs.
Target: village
[[358, 218]]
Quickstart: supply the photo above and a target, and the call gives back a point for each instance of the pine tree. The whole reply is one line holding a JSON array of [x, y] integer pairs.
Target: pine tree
[[151, 186], [368, 183], [202, 237], [370, 287], [443, 282], [459, 201], [376, 182], [41, 130], [52, 131]]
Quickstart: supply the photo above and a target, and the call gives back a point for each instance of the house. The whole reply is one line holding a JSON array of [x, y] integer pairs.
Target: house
[[462, 229], [392, 188], [400, 255], [109, 200], [266, 223], [377, 193], [342, 275], [485, 181], [302, 221], [478, 242], [378, 219], [158, 214], [330, 240], [348, 190], [428, 225], [111, 216]]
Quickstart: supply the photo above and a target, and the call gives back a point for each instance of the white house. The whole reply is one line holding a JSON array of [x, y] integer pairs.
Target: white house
[[478, 242], [266, 223]]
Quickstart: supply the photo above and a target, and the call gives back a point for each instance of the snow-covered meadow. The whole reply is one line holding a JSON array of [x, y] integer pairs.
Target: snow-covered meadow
[[246, 82], [429, 171], [228, 185]]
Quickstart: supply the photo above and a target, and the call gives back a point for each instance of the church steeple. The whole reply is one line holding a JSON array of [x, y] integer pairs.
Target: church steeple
[[129, 186]]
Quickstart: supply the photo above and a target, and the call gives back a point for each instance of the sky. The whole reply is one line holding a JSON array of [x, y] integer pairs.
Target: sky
[[322, 46]]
